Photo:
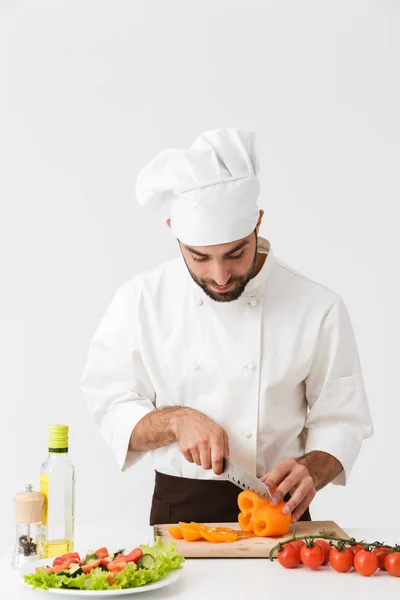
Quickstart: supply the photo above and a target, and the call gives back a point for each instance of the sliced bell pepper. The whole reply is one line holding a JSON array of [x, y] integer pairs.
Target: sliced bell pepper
[[175, 532], [218, 534], [190, 532]]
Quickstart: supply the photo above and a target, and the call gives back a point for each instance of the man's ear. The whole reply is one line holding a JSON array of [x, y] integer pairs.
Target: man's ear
[[260, 218], [168, 221]]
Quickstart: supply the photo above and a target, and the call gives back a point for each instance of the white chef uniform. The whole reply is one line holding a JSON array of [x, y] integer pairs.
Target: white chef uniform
[[278, 369]]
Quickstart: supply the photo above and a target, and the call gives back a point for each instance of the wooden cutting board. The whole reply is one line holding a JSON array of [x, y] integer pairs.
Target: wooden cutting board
[[247, 545]]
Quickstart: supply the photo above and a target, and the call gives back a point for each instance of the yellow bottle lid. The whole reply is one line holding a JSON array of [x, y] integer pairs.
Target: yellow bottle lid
[[58, 437]]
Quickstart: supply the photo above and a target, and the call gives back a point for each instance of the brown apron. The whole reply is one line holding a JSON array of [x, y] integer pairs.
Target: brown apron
[[202, 500]]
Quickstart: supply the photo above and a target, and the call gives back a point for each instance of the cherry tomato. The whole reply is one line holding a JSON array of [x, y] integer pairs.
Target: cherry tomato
[[289, 556], [381, 553], [341, 560], [366, 562], [312, 557], [392, 563], [326, 548], [298, 544], [356, 548]]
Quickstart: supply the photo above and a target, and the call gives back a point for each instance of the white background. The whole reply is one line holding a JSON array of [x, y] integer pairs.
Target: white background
[[90, 92]]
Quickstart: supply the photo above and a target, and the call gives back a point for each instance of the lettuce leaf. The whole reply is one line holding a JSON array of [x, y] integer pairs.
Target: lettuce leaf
[[166, 559]]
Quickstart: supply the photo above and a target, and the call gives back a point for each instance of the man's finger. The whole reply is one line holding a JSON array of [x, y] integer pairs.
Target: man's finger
[[217, 455], [277, 475], [196, 455], [265, 477], [302, 507], [226, 446], [205, 456], [298, 496], [188, 455], [297, 474]]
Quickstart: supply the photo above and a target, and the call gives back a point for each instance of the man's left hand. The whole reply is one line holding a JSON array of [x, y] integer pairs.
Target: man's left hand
[[292, 477]]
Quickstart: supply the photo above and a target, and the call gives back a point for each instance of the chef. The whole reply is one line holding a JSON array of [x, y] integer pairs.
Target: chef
[[225, 351]]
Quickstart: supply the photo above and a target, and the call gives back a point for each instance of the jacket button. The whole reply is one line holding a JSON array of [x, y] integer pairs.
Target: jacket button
[[199, 301], [253, 303], [251, 366], [247, 434], [195, 366]]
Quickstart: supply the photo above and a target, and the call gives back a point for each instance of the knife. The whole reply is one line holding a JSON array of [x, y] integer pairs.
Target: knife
[[245, 480]]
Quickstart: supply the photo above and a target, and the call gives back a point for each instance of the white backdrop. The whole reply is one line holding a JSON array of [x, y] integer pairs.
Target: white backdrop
[[92, 90]]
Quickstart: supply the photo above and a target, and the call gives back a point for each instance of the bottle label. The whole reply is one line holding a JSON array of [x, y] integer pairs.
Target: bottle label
[[44, 489]]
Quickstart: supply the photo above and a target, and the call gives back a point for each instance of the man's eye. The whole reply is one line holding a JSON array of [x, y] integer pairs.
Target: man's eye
[[199, 259], [237, 256]]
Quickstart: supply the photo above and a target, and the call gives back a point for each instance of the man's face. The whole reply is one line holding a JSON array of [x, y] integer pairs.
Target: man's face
[[224, 270]]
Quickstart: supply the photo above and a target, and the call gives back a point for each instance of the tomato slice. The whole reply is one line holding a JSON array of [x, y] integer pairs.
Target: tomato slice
[[62, 566], [90, 566], [119, 557], [134, 555], [45, 569], [101, 552], [115, 567], [60, 559]]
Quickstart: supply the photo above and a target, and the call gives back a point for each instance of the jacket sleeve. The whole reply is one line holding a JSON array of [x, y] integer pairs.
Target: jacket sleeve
[[339, 417], [115, 383]]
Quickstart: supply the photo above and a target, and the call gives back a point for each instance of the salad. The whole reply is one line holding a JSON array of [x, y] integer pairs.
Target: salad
[[100, 570]]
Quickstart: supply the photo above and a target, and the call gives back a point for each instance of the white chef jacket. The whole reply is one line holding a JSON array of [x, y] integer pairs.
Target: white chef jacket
[[278, 368]]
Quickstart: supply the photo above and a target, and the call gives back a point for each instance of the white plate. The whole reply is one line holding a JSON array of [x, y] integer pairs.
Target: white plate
[[168, 579]]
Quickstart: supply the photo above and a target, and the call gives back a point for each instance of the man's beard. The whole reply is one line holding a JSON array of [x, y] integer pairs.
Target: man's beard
[[237, 289]]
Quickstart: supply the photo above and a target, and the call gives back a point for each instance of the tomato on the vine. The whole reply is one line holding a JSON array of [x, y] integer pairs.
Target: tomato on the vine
[[312, 555], [366, 562], [381, 553], [326, 548], [341, 559], [298, 544], [392, 563], [356, 548], [289, 557]]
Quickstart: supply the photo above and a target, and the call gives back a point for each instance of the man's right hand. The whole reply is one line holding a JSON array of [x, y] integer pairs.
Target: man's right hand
[[200, 439]]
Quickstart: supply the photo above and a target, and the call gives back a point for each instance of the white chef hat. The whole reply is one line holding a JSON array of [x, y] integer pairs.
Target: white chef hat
[[212, 187]]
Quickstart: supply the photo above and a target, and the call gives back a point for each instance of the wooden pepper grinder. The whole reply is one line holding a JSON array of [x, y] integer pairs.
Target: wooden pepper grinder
[[28, 516]]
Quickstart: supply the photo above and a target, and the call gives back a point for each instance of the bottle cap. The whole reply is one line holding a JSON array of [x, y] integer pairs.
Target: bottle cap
[[28, 506], [58, 437]]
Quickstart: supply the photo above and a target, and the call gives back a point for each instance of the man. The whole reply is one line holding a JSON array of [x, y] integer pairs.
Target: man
[[225, 351]]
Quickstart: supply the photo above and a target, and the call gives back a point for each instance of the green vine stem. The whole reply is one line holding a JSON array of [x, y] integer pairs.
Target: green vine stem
[[324, 536]]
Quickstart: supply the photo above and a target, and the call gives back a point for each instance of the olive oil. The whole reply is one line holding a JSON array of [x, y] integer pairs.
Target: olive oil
[[57, 484], [56, 548]]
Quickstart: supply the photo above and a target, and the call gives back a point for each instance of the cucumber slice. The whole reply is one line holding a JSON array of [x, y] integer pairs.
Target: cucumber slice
[[91, 558], [74, 570], [146, 561]]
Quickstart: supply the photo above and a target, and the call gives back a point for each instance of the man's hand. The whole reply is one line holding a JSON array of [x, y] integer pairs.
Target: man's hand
[[294, 478], [302, 478], [200, 439]]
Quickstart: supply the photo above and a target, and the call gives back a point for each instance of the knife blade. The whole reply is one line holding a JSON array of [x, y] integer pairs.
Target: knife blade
[[244, 479]]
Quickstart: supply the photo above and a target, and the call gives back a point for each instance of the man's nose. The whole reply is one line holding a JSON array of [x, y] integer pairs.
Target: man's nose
[[220, 273]]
